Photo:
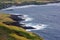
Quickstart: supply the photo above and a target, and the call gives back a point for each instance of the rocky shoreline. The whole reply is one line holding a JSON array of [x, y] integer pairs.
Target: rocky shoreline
[[8, 31], [17, 20]]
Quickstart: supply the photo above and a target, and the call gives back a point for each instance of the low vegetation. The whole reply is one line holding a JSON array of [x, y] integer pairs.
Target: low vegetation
[[11, 32], [9, 3]]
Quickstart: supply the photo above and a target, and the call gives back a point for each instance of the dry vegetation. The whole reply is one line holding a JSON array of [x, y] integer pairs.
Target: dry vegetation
[[10, 32], [19, 1]]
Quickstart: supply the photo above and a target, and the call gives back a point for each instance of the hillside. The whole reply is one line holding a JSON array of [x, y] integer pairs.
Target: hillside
[[11, 32], [19, 1]]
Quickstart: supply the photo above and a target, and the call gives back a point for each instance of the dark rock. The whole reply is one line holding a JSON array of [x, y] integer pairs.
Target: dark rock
[[16, 18]]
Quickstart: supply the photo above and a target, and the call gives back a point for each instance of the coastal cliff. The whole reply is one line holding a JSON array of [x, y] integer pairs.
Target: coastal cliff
[[9, 31]]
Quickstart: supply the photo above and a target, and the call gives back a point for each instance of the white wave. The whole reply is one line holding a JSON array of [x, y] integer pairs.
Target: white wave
[[28, 24], [33, 25], [40, 26], [27, 6], [26, 17], [37, 27], [16, 7], [23, 16]]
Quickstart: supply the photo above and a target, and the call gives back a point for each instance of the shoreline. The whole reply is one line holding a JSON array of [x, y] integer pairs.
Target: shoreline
[[6, 5], [17, 20], [17, 32]]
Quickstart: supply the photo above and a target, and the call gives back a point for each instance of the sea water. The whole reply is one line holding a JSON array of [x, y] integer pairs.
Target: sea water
[[47, 15]]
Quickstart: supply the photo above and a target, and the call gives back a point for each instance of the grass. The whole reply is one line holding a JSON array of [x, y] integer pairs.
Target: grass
[[10, 32], [20, 1]]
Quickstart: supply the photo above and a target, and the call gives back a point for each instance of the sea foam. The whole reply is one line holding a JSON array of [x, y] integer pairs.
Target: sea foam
[[37, 27], [27, 6], [26, 18], [30, 24], [17, 7]]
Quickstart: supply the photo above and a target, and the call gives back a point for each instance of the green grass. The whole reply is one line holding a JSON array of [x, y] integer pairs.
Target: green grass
[[19, 33], [10, 32]]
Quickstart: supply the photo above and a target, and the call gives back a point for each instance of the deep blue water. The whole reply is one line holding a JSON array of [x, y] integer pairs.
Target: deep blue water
[[42, 14]]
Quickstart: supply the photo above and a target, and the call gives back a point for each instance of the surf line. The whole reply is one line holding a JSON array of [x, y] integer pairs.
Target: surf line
[[29, 26]]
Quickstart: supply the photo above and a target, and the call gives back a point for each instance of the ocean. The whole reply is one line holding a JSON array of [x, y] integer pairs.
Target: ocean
[[47, 15]]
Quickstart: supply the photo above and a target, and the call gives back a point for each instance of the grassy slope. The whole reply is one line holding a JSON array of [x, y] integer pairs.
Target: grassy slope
[[19, 1], [10, 32]]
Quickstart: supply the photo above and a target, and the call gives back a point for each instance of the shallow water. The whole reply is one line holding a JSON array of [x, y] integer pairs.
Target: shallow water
[[42, 14]]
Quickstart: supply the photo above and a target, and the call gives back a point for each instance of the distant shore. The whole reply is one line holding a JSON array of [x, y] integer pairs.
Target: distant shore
[[6, 5]]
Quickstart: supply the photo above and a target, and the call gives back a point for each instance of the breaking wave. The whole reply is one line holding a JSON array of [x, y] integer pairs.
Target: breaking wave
[[26, 17], [27, 6], [27, 23], [37, 27], [16, 7]]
